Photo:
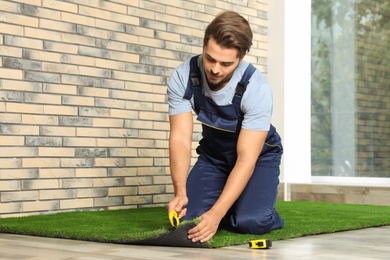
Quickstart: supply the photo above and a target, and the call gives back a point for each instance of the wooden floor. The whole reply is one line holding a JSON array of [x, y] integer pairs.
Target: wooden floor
[[367, 244]]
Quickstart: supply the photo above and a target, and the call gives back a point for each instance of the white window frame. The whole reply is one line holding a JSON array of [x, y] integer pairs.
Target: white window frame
[[289, 74]]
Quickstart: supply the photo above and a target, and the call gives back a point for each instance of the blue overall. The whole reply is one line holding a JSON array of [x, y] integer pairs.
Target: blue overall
[[254, 211]]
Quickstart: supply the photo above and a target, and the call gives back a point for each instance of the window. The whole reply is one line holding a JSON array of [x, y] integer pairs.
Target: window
[[350, 86]]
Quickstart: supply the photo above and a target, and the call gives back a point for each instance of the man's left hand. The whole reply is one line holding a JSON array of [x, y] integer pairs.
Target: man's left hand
[[206, 228]]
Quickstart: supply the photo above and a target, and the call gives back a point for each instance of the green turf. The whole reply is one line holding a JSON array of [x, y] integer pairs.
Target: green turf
[[122, 226]]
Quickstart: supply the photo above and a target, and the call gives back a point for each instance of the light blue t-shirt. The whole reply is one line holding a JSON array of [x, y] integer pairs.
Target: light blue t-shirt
[[256, 103]]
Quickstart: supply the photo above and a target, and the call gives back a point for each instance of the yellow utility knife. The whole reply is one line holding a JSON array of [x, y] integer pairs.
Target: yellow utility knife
[[173, 218]]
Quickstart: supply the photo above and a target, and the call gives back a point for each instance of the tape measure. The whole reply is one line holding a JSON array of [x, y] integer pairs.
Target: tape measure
[[260, 243]]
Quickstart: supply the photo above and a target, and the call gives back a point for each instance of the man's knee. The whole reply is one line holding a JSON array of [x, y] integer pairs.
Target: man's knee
[[256, 225]]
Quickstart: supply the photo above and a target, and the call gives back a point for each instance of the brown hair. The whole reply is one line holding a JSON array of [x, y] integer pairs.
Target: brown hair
[[230, 30]]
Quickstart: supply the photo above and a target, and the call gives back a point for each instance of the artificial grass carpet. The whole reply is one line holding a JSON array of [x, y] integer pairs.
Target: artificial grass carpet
[[129, 225]]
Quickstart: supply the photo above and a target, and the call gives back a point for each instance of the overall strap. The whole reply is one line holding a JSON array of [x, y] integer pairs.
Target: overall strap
[[194, 84], [241, 86], [194, 78]]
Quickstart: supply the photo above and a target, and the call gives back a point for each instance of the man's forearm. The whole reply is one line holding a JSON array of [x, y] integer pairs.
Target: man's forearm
[[179, 159]]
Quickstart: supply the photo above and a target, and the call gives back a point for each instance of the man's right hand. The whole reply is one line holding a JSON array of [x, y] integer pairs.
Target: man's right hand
[[178, 204]]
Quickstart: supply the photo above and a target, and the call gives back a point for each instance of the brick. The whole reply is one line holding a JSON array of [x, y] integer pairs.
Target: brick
[[77, 162], [77, 100], [122, 94], [94, 72], [111, 142], [92, 132], [60, 5], [56, 173], [11, 96], [91, 152], [42, 98], [75, 59], [9, 185], [162, 198], [108, 201], [40, 162], [57, 194], [11, 29], [10, 208], [107, 122], [21, 64], [137, 105], [16, 85], [23, 42], [57, 25], [11, 51], [19, 129], [90, 172], [78, 19], [110, 26], [152, 153], [12, 18], [57, 131], [117, 8], [150, 171], [76, 203], [121, 113], [152, 189], [82, 80], [94, 92], [162, 179], [15, 174], [10, 118], [76, 183], [18, 152], [138, 200], [39, 184], [109, 162], [122, 191], [93, 52], [43, 141], [94, 12], [123, 56], [10, 6], [94, 111], [24, 108], [108, 182], [94, 192], [60, 47], [153, 134], [93, 32], [104, 63], [56, 152], [122, 132], [137, 181], [60, 89], [122, 171], [79, 142], [111, 103], [78, 39], [11, 73], [14, 196], [11, 140], [60, 68], [39, 120], [161, 126], [133, 162], [75, 121], [60, 110], [40, 206], [165, 161], [140, 143], [42, 77], [41, 55]]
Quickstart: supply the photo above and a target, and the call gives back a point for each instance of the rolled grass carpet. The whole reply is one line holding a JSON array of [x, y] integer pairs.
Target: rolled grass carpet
[[150, 226]]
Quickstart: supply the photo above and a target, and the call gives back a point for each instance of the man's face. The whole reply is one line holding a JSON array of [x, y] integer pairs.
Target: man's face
[[219, 64]]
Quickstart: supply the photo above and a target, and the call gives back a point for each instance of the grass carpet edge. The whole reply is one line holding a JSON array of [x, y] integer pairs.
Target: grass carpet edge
[[127, 225]]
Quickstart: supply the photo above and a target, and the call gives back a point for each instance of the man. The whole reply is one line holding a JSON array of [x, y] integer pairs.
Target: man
[[233, 184]]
